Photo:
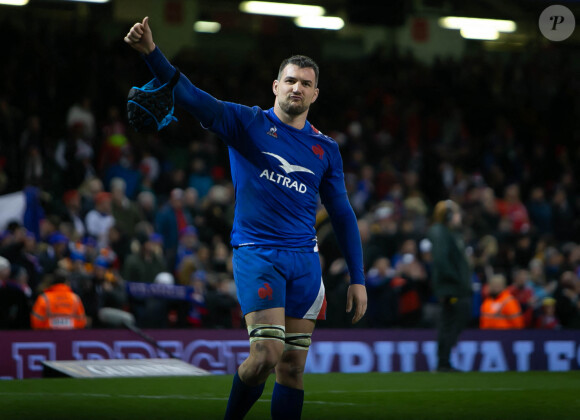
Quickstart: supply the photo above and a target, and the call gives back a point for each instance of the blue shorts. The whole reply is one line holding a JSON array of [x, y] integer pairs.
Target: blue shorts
[[277, 278]]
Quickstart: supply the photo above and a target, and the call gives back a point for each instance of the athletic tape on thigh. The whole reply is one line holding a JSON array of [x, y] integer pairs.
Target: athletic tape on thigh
[[260, 332], [298, 341]]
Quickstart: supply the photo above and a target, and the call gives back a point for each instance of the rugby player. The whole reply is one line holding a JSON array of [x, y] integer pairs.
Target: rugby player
[[280, 164]]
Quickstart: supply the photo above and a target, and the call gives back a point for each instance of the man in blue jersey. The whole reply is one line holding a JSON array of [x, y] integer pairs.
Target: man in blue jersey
[[280, 163]]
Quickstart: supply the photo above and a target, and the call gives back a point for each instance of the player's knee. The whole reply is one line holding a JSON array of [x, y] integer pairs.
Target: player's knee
[[290, 369], [266, 355], [267, 346]]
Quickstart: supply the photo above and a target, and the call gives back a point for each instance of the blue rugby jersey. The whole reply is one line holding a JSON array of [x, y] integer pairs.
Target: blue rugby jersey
[[277, 171]]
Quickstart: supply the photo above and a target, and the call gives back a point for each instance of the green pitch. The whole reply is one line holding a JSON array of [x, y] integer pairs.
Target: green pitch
[[511, 396]]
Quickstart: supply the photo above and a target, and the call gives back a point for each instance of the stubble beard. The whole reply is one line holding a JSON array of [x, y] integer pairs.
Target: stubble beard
[[293, 109]]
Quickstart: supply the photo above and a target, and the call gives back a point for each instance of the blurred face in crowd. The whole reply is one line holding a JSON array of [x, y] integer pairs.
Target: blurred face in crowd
[[537, 194], [512, 194], [104, 206], [549, 309], [409, 247], [190, 240], [456, 219], [521, 278], [203, 254], [4, 268], [176, 198], [488, 199], [152, 247], [382, 265], [496, 285], [73, 203], [364, 229], [296, 89], [146, 200], [114, 234], [118, 193], [30, 243], [537, 271], [221, 252], [190, 197], [569, 280], [574, 257], [59, 247], [559, 197]]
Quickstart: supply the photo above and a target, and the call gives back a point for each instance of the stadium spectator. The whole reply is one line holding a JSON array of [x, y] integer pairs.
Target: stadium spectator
[[563, 221], [223, 309], [89, 190], [170, 220], [500, 310], [567, 297], [81, 114], [524, 294], [56, 250], [541, 286], [540, 211], [31, 144], [514, 210], [382, 304], [72, 212], [113, 140], [58, 307], [200, 178], [143, 266], [14, 299], [451, 281], [188, 244], [221, 260], [546, 319], [120, 244], [411, 285], [124, 211], [126, 170], [99, 220], [105, 288], [146, 205]]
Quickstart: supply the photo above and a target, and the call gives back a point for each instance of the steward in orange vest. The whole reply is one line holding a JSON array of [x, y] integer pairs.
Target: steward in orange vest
[[500, 310], [58, 308]]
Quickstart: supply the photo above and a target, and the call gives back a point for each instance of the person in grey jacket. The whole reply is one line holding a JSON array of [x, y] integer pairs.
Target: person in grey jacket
[[451, 279]]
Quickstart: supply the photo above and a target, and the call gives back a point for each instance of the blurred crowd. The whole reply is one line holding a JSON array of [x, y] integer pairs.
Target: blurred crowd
[[495, 132]]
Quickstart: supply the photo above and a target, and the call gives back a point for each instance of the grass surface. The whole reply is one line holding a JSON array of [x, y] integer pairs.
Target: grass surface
[[422, 395]]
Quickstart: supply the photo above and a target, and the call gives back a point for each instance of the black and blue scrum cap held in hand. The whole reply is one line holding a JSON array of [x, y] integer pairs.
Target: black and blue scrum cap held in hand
[[150, 108]]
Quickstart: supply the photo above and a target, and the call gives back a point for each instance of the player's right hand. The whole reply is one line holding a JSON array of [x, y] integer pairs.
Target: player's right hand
[[140, 37]]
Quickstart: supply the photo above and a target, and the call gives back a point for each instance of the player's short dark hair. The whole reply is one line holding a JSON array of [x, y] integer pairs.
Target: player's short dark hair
[[301, 61]]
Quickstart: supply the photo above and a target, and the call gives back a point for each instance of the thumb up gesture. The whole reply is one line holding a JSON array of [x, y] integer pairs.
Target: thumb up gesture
[[140, 37]]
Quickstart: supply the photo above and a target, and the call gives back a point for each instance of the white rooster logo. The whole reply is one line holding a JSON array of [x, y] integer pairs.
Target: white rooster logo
[[288, 168]]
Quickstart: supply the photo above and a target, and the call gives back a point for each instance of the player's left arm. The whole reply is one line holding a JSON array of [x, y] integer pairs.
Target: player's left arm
[[334, 197]]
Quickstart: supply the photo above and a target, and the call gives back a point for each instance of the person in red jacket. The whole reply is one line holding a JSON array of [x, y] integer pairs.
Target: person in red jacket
[[500, 310], [58, 307]]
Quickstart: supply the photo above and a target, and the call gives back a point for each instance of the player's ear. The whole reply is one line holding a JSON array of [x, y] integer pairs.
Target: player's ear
[[316, 91], [275, 87]]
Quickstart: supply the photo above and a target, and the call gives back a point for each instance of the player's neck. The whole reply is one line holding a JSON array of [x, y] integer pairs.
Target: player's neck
[[296, 121]]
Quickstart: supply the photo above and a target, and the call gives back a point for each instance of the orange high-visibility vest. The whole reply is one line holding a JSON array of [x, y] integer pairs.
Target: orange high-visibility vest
[[58, 308], [503, 312]]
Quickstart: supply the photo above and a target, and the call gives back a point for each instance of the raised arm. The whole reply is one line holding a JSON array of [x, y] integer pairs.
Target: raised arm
[[200, 104]]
